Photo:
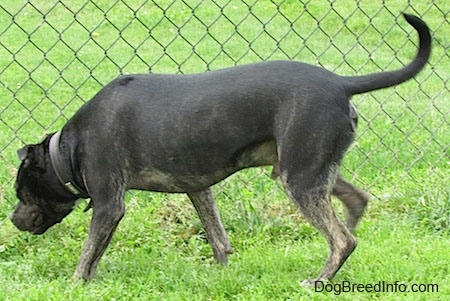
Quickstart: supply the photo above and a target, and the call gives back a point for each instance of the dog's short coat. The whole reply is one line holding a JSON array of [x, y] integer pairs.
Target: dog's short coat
[[184, 133]]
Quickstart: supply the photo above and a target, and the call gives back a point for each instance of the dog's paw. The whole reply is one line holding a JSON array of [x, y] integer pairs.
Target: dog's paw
[[313, 283], [308, 283]]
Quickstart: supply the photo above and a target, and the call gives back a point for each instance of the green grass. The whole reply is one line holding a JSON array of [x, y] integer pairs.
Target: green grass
[[159, 251]]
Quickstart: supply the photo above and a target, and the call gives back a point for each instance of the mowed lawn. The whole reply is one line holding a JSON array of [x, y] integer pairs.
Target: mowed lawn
[[54, 56]]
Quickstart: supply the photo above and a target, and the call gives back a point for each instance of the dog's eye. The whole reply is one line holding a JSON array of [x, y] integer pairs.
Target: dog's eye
[[24, 196]]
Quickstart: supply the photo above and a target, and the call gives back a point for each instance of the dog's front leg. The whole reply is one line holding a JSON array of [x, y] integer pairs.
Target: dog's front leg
[[105, 219], [209, 215]]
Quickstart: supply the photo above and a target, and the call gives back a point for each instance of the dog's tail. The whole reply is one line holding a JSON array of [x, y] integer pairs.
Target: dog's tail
[[366, 83]]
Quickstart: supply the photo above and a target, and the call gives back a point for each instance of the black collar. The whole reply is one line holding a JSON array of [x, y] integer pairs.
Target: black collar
[[64, 174]]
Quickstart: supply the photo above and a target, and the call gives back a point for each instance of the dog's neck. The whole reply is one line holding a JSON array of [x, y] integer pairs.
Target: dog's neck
[[63, 172]]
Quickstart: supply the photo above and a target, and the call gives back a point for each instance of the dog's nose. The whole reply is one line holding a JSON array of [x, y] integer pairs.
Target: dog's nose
[[17, 222]]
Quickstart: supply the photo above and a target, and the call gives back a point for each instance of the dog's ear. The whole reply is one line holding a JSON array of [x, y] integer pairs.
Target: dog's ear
[[32, 155], [23, 152]]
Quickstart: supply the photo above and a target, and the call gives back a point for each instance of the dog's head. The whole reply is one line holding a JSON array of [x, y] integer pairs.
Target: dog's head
[[43, 200]]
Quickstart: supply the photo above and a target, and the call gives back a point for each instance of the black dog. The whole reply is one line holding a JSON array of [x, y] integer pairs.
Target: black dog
[[184, 133]]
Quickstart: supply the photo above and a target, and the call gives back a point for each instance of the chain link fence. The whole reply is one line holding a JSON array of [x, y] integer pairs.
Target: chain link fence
[[56, 54]]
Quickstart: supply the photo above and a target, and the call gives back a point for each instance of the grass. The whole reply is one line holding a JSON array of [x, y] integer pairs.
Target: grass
[[159, 251]]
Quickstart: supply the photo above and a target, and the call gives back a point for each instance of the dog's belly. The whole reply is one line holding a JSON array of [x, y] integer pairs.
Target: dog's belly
[[156, 180], [180, 180]]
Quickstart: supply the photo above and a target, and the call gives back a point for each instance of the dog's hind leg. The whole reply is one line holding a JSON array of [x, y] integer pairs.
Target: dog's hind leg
[[315, 204], [354, 199], [310, 152], [209, 215]]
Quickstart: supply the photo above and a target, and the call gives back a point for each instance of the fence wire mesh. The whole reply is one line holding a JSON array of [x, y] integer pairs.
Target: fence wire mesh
[[56, 54]]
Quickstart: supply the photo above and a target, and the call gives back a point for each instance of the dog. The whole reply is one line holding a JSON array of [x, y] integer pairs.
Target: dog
[[185, 133]]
